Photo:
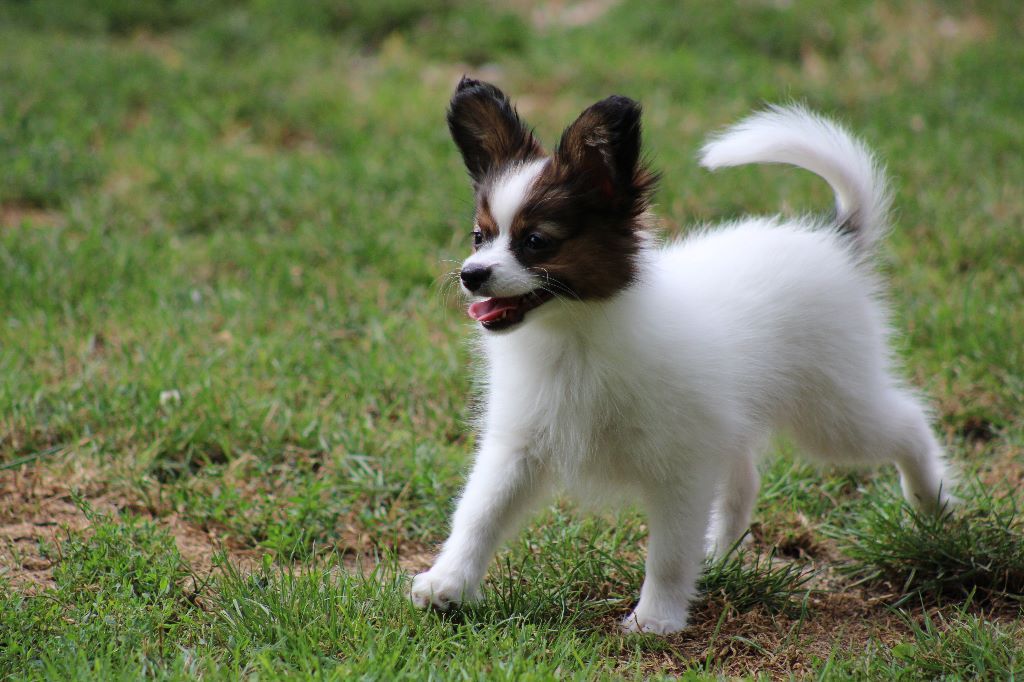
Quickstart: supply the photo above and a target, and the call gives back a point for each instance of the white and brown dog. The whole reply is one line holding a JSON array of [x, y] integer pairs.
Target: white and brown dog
[[620, 368]]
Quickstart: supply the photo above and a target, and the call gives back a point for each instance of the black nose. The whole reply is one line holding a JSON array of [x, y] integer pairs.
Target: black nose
[[474, 276]]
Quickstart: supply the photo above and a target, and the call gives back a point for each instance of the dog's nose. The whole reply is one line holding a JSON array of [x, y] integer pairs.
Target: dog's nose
[[474, 276]]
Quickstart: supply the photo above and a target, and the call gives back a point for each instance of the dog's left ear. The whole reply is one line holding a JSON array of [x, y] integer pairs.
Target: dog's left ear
[[487, 129], [603, 146]]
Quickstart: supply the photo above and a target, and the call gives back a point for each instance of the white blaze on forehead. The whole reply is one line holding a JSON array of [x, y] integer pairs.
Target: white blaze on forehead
[[508, 276], [509, 192]]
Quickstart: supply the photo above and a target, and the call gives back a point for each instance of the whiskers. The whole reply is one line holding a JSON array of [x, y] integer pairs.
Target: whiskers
[[446, 285], [556, 288]]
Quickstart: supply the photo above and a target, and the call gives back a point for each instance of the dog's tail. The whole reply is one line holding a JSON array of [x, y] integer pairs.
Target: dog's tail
[[796, 136]]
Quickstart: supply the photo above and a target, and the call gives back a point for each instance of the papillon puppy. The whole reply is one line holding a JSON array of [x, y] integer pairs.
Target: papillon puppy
[[617, 367]]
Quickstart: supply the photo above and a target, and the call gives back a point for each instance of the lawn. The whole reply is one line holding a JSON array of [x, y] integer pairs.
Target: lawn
[[235, 384]]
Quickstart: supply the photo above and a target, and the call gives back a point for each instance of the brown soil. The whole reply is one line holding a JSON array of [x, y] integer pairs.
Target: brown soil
[[37, 511], [759, 642], [14, 215]]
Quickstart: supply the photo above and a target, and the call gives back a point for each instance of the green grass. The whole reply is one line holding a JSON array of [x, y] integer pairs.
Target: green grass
[[960, 554], [224, 233], [960, 646]]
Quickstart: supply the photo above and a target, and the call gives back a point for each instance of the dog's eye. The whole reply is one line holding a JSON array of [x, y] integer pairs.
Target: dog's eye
[[537, 242], [478, 237]]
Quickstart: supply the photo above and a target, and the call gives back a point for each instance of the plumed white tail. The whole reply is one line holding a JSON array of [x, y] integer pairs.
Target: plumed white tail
[[796, 136]]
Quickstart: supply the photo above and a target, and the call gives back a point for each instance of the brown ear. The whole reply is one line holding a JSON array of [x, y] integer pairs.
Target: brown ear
[[602, 147], [487, 129]]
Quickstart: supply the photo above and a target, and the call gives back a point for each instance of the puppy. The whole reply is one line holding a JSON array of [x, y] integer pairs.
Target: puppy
[[618, 367]]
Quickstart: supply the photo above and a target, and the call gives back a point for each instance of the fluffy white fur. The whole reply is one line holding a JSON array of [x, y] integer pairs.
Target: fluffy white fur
[[666, 393]]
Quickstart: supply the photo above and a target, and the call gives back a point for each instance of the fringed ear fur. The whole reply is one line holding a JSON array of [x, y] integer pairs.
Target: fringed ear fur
[[487, 129], [602, 149]]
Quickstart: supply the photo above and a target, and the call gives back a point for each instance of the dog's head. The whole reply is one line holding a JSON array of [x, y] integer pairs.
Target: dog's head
[[561, 226]]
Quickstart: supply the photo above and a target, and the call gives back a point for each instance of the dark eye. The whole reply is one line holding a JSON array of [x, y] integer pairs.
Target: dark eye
[[537, 242], [478, 237]]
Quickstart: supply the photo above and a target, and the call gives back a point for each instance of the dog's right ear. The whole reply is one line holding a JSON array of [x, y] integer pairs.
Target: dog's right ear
[[487, 129]]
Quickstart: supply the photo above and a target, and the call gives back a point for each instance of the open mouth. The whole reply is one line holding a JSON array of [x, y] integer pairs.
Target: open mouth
[[502, 313]]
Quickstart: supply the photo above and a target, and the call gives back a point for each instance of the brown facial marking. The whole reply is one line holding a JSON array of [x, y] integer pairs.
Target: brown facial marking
[[591, 252], [587, 268], [485, 221], [589, 200]]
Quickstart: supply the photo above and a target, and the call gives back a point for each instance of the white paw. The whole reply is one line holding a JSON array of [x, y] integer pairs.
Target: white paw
[[441, 590], [663, 624]]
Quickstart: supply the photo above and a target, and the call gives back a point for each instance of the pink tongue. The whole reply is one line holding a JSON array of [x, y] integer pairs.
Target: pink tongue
[[492, 308]]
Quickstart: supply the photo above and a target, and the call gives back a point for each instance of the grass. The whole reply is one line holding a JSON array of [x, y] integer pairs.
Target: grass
[[235, 395], [964, 646], [974, 553]]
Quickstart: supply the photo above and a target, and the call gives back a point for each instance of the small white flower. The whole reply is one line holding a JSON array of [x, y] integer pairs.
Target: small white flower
[[171, 397]]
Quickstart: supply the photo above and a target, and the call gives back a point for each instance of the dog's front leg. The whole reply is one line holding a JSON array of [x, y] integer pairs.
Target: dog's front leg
[[677, 519], [504, 485]]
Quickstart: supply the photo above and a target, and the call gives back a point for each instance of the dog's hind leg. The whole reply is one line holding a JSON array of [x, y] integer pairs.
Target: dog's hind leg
[[887, 425], [926, 479], [734, 504]]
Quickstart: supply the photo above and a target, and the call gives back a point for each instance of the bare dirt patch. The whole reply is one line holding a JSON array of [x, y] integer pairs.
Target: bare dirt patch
[[39, 511], [561, 14], [14, 215], [780, 646], [784, 647], [1004, 467]]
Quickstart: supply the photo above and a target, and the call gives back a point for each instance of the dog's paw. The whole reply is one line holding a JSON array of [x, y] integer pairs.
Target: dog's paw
[[441, 590], [662, 624]]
